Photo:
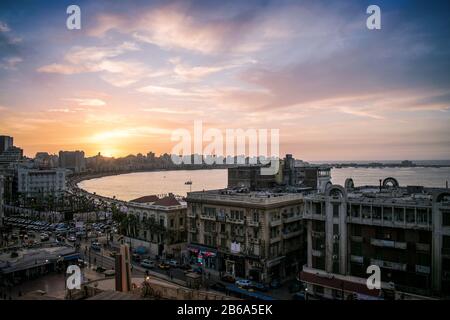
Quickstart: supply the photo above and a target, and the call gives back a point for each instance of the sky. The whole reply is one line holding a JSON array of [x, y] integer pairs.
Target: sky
[[138, 70]]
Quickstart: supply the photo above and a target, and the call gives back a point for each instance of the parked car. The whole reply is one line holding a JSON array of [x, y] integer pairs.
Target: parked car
[[96, 246], [109, 273], [243, 283], [275, 284], [44, 237], [164, 266], [185, 266], [260, 286], [228, 278], [113, 254], [100, 269], [146, 263], [299, 296], [72, 238], [173, 263]]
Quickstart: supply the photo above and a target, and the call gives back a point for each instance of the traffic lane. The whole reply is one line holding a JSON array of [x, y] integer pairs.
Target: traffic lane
[[103, 259]]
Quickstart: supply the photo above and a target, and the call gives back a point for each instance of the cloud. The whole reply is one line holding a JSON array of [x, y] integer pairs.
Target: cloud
[[119, 73], [179, 26], [4, 27], [10, 63], [88, 102]]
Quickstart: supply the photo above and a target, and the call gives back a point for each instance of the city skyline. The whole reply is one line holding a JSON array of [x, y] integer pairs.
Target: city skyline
[[135, 72]]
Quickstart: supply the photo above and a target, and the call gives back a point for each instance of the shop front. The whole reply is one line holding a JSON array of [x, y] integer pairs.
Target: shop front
[[232, 264], [202, 256]]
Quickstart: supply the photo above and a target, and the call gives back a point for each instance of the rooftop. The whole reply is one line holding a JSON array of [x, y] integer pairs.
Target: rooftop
[[241, 196]]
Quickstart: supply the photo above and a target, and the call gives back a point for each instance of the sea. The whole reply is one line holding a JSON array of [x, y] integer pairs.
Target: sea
[[133, 185]]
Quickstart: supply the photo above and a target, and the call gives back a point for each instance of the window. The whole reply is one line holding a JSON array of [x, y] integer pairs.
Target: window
[[181, 221], [399, 215], [387, 213], [335, 211], [446, 218], [410, 216], [172, 223]]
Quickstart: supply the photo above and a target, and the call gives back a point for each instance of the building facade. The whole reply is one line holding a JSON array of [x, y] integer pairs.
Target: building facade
[[10, 156], [250, 235], [2, 191], [34, 182], [405, 231], [72, 160], [6, 142], [159, 223]]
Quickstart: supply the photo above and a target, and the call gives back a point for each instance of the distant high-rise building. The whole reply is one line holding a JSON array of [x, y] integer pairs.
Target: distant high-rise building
[[11, 155], [6, 142], [72, 160]]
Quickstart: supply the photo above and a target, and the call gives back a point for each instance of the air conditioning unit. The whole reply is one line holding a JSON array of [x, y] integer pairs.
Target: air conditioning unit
[[336, 237], [335, 257]]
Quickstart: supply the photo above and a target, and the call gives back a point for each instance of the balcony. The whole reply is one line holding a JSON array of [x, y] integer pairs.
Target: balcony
[[275, 223], [317, 253], [423, 269], [192, 229], [253, 223], [190, 214], [389, 265], [208, 217], [356, 238], [388, 243], [357, 259], [291, 234], [292, 218], [423, 247], [275, 239], [318, 234], [237, 221]]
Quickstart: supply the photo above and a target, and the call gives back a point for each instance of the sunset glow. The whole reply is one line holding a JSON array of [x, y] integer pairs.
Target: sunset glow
[[138, 70]]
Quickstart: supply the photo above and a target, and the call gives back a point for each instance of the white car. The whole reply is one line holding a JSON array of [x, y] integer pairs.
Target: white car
[[72, 239], [147, 264], [44, 237], [243, 283]]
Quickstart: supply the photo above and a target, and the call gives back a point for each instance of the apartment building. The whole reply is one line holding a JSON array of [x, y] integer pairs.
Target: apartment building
[[31, 182], [255, 235], [403, 230], [159, 224], [72, 160], [1, 200], [291, 174]]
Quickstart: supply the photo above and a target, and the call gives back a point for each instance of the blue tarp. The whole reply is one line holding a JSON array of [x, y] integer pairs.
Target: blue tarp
[[140, 250], [71, 257], [248, 294]]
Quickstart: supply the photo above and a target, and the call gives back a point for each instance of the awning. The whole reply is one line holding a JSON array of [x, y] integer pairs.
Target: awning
[[74, 256], [338, 284]]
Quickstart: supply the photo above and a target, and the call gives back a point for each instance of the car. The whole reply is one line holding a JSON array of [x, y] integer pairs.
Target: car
[[113, 254], [244, 283], [44, 237], [173, 263], [100, 269], [260, 286], [228, 278], [275, 284], [164, 266], [185, 266], [299, 296], [96, 246], [148, 264], [72, 239], [109, 273]]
